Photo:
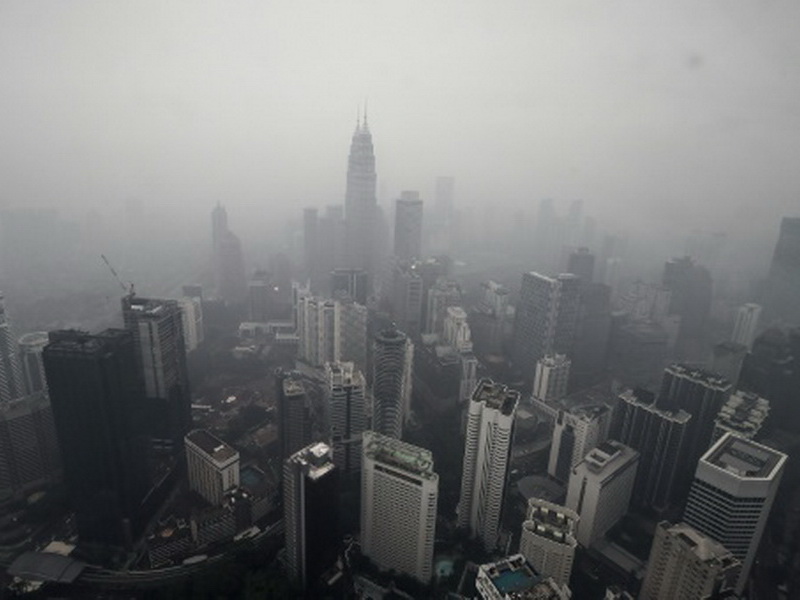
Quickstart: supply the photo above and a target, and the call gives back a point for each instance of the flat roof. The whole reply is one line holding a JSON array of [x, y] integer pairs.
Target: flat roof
[[211, 445], [399, 454], [744, 458], [496, 396], [512, 575], [317, 457], [293, 387]]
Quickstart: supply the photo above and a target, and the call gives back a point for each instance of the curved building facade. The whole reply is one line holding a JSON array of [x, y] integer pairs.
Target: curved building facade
[[393, 354]]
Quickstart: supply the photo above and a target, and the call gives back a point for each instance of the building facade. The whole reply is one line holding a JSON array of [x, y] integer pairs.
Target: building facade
[[212, 465], [548, 539], [408, 227], [347, 416], [392, 363]]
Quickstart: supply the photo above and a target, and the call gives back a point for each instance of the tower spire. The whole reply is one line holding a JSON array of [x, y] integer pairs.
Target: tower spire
[[366, 126]]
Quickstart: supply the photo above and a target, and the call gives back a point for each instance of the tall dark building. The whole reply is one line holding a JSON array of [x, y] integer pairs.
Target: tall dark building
[[157, 329], [11, 384], [96, 394], [546, 319], [352, 282], [228, 262], [691, 289], [393, 355], [360, 201], [408, 227], [581, 263], [294, 413], [782, 291], [310, 489]]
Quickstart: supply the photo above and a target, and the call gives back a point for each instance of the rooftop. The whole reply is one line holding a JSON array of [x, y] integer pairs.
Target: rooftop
[[151, 307], [610, 453], [703, 547], [514, 578], [293, 387], [744, 458], [550, 520], [399, 454], [496, 396], [211, 445], [318, 458]]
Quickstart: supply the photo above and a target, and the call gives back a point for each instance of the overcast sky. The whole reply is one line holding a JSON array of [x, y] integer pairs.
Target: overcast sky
[[681, 113]]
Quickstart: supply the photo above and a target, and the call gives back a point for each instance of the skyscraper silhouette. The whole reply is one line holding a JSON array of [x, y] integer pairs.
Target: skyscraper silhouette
[[360, 201], [391, 381], [10, 373]]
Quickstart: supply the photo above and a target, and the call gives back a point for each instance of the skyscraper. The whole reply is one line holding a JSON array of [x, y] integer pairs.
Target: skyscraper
[[581, 263], [746, 325], [783, 283], [352, 282], [228, 262], [404, 294], [548, 539], [688, 565], [575, 433], [294, 413], [96, 394], [408, 227], [360, 201], [551, 378], [310, 487], [392, 363], [157, 328], [399, 492], [600, 489], [346, 391], [318, 329], [691, 288], [444, 294], [487, 449], [742, 414], [661, 436], [546, 318], [11, 386], [212, 465], [31, 346], [731, 496]]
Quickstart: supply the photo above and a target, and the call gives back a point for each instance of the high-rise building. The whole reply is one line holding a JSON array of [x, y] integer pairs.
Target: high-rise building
[[404, 294], [392, 363], [29, 457], [260, 297], [551, 378], [408, 227], [581, 263], [593, 331], [548, 539], [11, 386], [731, 496], [727, 359], [311, 242], [346, 399], [310, 488], [746, 325], [699, 393], [487, 450], [192, 318], [352, 282], [96, 395], [294, 413], [212, 465], [444, 294], [743, 414], [319, 330], [691, 288], [783, 283], [600, 489], [661, 438], [575, 432], [157, 328], [31, 346], [688, 565], [512, 577], [360, 201], [546, 318], [399, 492], [229, 273]]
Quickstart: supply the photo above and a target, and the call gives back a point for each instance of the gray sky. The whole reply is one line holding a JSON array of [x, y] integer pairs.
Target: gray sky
[[664, 112]]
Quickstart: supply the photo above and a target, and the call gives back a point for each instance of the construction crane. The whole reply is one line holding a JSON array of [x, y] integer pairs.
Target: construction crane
[[127, 289]]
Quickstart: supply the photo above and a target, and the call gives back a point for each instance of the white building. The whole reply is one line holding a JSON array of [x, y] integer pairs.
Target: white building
[[399, 492], [548, 539], [600, 489], [31, 346], [456, 329], [746, 325], [688, 565], [212, 465], [347, 417], [443, 294], [192, 317], [731, 496], [551, 378], [486, 456], [743, 414], [512, 578], [575, 433], [331, 330]]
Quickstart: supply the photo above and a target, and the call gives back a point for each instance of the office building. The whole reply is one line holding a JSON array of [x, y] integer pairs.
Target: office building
[[551, 378], [360, 201], [731, 496], [260, 297], [783, 282], [352, 282], [745, 326], [31, 346], [691, 289], [743, 414], [600, 489], [347, 417], [318, 330], [310, 489], [575, 432], [399, 492], [487, 450], [212, 465], [548, 539], [727, 359], [294, 413], [157, 328], [353, 333], [545, 320], [581, 263], [404, 294], [512, 578], [96, 396], [192, 319], [392, 363], [593, 330], [11, 385], [661, 438], [444, 294], [408, 227], [29, 458], [230, 280], [688, 565], [637, 350]]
